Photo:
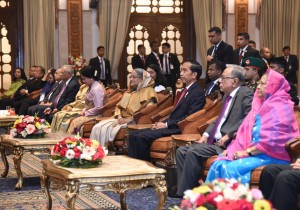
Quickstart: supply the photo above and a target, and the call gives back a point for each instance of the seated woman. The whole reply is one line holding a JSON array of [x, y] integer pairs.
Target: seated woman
[[160, 83], [262, 136], [18, 79], [94, 98], [139, 95], [61, 119]]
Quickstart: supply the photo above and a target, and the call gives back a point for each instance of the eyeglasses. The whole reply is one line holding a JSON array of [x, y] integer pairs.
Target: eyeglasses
[[225, 78]]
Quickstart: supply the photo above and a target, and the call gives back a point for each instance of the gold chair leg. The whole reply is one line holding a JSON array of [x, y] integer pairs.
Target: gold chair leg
[[5, 162], [18, 154]]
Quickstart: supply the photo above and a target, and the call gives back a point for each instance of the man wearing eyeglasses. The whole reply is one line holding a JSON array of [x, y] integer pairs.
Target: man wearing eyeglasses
[[236, 105]]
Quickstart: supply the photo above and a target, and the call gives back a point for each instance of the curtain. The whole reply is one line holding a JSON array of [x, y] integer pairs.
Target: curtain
[[113, 24], [280, 26], [39, 33], [207, 13]]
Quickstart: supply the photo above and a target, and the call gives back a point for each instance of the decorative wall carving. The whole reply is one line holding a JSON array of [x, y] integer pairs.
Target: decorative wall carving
[[75, 27], [241, 16]]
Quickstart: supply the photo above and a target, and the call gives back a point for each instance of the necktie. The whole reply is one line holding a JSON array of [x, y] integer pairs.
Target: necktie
[[287, 58], [214, 54], [55, 102], [143, 60], [159, 63], [240, 57], [102, 76], [181, 96], [213, 133], [211, 84], [166, 64]]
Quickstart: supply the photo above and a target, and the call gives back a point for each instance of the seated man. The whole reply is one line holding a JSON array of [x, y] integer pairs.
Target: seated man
[[236, 105], [254, 69], [281, 185], [281, 66], [192, 99], [215, 70]]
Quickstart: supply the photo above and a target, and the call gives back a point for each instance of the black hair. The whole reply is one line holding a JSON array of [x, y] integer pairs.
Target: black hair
[[252, 42], [140, 46], [152, 43], [23, 75], [219, 65], [286, 48], [100, 47], [42, 69], [166, 44], [160, 78], [244, 34], [281, 62], [195, 67], [90, 72], [215, 29]]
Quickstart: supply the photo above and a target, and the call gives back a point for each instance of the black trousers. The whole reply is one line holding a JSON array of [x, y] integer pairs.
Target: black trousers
[[281, 185], [140, 141], [189, 160], [38, 110], [5, 102], [21, 106]]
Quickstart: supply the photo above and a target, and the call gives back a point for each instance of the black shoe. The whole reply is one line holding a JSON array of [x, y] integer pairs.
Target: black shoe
[[174, 195]]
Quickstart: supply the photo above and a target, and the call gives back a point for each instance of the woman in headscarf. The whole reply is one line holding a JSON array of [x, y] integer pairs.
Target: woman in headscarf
[[261, 137], [93, 101], [139, 95]]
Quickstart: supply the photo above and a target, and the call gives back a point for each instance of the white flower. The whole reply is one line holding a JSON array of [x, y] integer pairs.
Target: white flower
[[24, 133], [249, 196], [29, 119], [70, 154], [219, 198], [85, 157], [242, 190], [13, 132], [89, 150], [105, 151], [230, 194]]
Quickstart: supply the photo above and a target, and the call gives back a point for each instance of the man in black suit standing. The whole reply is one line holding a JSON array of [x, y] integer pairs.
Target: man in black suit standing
[[66, 94], [192, 99], [170, 66], [153, 57], [220, 50], [139, 60], [244, 50], [293, 64], [215, 70], [236, 105], [102, 65]]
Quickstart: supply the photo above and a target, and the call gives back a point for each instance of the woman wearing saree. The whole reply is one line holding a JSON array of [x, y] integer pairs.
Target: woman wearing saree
[[139, 95], [261, 137], [93, 101]]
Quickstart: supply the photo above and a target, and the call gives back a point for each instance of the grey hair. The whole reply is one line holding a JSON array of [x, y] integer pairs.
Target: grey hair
[[68, 69], [139, 72], [237, 72]]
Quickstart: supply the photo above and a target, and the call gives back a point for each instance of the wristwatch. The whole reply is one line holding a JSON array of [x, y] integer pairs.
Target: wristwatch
[[249, 151]]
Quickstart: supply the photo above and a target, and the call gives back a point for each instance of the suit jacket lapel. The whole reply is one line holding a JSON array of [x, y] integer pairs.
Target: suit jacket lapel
[[184, 97]]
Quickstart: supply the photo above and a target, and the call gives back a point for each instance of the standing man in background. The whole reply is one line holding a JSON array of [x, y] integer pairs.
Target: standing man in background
[[170, 66], [219, 50], [102, 65], [153, 57], [293, 64], [139, 60]]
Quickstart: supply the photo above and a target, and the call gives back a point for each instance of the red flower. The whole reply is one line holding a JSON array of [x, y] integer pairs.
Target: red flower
[[227, 205], [210, 198], [63, 152], [77, 153], [200, 200], [21, 125], [86, 141], [186, 203], [56, 148], [244, 205], [235, 185]]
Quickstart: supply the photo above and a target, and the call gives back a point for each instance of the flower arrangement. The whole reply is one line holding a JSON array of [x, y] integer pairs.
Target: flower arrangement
[[224, 194], [77, 62], [77, 152], [30, 127]]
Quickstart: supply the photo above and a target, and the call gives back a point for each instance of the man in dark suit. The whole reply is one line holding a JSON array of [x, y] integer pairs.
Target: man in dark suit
[[102, 65], [139, 60], [170, 66], [153, 57], [192, 99], [293, 64], [219, 50], [280, 65], [67, 93], [215, 70], [236, 105], [243, 50]]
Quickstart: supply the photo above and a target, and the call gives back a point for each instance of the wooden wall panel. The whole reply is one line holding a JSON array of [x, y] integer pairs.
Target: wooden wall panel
[[75, 45], [241, 16]]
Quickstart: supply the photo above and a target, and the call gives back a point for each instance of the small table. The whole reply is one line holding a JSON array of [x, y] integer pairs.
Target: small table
[[116, 173], [8, 121], [19, 146]]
